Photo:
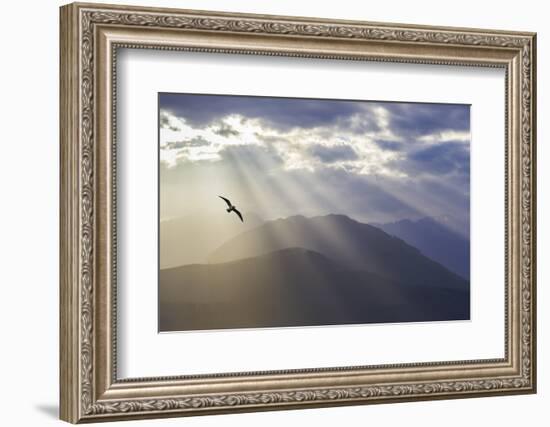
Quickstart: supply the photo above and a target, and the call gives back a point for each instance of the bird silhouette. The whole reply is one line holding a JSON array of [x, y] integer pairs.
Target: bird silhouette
[[232, 208]]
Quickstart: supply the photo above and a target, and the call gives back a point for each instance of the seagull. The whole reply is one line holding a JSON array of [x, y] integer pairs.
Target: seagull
[[232, 208]]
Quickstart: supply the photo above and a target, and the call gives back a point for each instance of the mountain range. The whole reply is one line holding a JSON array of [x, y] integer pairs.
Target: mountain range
[[435, 240], [302, 271], [354, 245]]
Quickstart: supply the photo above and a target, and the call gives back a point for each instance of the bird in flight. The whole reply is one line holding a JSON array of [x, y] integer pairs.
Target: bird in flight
[[232, 208]]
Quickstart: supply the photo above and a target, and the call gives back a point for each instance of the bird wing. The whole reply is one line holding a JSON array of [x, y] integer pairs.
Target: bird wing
[[226, 201], [239, 214]]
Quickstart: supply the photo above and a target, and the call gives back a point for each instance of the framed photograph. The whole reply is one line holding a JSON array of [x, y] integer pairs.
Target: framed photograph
[[267, 212]]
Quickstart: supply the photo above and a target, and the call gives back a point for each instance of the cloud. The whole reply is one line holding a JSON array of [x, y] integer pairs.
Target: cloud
[[452, 158], [182, 141], [446, 136], [199, 141], [360, 137], [280, 113], [167, 122], [389, 145], [328, 154], [299, 148], [326, 146], [374, 161], [225, 130], [414, 120]]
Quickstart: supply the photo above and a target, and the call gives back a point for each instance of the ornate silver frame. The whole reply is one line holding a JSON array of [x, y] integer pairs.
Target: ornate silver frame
[[90, 36]]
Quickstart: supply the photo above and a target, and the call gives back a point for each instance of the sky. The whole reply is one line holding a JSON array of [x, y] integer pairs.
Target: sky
[[276, 157]]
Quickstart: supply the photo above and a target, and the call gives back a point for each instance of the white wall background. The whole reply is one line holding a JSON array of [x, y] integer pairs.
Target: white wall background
[[29, 170]]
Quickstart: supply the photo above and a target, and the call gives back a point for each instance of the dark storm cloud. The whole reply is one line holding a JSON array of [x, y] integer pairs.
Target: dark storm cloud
[[405, 119], [443, 159], [225, 130], [282, 113], [333, 154], [413, 120], [437, 160]]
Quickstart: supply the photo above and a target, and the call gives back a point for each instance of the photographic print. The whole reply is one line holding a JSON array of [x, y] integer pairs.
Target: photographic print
[[288, 212]]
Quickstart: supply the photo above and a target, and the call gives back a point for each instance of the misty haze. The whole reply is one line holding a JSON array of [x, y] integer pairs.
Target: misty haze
[[279, 212]]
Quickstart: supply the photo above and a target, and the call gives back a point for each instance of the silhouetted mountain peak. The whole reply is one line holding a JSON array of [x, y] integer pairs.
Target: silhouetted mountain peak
[[336, 217]]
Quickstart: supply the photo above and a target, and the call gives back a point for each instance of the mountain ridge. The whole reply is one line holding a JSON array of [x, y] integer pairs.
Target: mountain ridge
[[351, 243], [435, 240]]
